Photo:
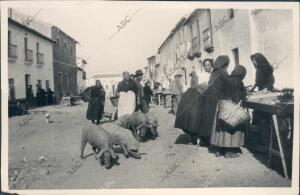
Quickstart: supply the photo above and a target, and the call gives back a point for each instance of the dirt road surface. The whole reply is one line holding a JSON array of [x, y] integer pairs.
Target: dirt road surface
[[46, 156]]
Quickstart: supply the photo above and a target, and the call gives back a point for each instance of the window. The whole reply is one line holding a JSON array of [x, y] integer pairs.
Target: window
[[39, 82], [71, 49], [9, 37], [67, 76], [26, 43], [28, 52], [59, 83], [57, 42], [65, 45], [47, 84], [231, 13], [207, 40], [198, 32], [235, 53], [11, 87], [37, 47]]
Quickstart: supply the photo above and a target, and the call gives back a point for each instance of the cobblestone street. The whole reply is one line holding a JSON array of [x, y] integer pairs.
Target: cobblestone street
[[46, 156]]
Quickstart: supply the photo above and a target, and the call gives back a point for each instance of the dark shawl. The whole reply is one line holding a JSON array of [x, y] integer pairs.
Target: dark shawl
[[189, 112], [129, 85], [219, 89], [96, 103], [237, 91], [264, 72]]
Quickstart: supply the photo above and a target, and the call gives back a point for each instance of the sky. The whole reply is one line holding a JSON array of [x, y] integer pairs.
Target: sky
[[93, 26]]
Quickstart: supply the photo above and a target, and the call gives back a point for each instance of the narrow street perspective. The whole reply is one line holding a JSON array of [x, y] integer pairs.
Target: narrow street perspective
[[46, 156], [113, 97]]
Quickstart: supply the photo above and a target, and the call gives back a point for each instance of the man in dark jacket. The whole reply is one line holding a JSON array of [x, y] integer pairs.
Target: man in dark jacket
[[148, 93]]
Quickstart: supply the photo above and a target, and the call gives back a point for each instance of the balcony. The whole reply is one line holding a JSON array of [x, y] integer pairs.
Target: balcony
[[28, 56], [12, 52], [40, 59], [207, 40], [84, 75]]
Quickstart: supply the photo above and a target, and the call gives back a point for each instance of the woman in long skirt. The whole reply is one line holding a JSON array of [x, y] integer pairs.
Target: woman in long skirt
[[96, 103], [227, 139], [189, 113], [218, 89]]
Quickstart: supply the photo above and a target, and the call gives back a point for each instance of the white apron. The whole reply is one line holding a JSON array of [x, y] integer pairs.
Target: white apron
[[126, 104]]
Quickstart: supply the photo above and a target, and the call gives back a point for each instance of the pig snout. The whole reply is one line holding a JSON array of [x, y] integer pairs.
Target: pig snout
[[143, 131], [106, 156]]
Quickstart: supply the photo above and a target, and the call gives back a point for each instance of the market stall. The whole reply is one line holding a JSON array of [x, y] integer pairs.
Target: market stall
[[278, 133]]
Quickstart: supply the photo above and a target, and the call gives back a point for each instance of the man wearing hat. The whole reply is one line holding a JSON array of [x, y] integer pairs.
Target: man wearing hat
[[141, 100]]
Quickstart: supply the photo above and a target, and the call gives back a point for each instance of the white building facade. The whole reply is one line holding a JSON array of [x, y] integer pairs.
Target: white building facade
[[108, 81], [30, 57]]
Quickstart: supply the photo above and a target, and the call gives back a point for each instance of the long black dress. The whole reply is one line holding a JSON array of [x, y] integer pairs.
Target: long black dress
[[96, 103], [218, 90], [189, 113], [222, 135]]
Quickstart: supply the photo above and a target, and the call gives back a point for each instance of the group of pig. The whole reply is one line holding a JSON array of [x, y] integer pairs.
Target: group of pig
[[126, 132]]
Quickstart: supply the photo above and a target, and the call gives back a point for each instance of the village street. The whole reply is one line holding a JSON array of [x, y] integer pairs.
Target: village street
[[46, 156]]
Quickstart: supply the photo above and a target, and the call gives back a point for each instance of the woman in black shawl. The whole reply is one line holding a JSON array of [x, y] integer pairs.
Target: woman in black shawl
[[96, 103], [189, 112], [264, 72], [218, 89], [228, 140], [264, 79]]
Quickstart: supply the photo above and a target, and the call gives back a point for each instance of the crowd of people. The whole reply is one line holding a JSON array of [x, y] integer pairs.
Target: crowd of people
[[198, 106], [43, 97], [132, 96]]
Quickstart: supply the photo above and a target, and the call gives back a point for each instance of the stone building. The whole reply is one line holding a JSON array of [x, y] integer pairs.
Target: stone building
[[64, 63]]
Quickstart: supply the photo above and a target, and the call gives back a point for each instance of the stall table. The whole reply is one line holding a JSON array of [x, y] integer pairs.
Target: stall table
[[276, 110]]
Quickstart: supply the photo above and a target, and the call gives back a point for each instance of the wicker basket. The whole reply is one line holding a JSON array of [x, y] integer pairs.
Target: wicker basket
[[114, 101], [232, 114]]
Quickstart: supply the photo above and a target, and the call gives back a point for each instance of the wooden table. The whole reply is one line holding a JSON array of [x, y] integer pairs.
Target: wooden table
[[276, 111]]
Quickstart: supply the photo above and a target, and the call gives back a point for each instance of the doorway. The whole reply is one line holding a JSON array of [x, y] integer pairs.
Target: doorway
[[27, 82], [235, 53]]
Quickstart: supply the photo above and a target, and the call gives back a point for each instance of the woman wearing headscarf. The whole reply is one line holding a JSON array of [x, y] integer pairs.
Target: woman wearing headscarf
[[227, 139], [176, 90], [96, 103], [194, 78], [218, 89], [264, 80]]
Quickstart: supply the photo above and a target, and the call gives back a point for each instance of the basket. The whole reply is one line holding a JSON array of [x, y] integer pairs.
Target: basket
[[114, 101], [85, 95], [232, 114]]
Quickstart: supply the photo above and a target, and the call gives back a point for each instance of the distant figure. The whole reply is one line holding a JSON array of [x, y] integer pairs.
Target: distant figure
[[29, 95], [38, 95], [176, 91], [148, 93], [43, 97], [50, 96], [194, 78], [96, 103], [141, 101]]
